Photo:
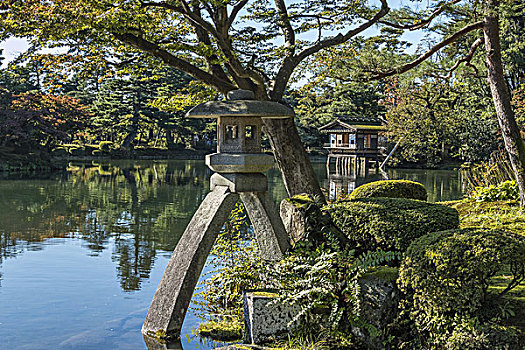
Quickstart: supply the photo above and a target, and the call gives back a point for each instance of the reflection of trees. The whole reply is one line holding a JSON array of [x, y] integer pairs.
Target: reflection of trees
[[442, 185], [138, 206]]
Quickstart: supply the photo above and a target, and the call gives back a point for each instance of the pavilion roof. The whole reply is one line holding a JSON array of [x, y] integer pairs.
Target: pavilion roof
[[340, 126]]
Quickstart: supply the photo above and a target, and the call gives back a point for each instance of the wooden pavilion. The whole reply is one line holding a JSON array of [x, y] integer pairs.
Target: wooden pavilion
[[354, 143]]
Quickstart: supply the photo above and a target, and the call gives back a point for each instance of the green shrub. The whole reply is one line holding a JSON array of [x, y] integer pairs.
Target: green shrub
[[59, 152], [472, 335], [77, 151], [507, 190], [391, 189], [390, 224], [105, 146], [447, 276]]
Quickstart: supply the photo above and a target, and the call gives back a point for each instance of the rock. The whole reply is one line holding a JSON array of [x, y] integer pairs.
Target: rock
[[379, 300], [294, 220]]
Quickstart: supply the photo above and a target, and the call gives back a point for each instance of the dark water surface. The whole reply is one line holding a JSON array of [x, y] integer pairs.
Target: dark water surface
[[82, 252]]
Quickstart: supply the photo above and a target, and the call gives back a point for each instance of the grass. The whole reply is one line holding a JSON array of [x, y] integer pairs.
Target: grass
[[503, 215], [513, 302]]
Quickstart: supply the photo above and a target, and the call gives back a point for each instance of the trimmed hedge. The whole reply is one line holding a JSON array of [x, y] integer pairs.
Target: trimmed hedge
[[390, 224], [447, 276], [105, 146], [391, 189]]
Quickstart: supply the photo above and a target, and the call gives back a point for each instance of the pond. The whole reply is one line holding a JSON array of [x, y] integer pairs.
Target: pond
[[82, 251]]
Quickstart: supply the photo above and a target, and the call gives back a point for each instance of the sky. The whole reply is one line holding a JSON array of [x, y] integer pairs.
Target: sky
[[12, 47]]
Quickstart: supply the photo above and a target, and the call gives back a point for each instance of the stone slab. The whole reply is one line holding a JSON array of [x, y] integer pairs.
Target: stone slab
[[241, 108], [247, 182], [265, 320], [269, 230], [176, 287], [239, 163]]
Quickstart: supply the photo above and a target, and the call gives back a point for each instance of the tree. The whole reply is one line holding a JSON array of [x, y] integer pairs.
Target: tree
[[332, 98], [490, 26], [208, 41], [501, 95], [440, 120], [36, 120]]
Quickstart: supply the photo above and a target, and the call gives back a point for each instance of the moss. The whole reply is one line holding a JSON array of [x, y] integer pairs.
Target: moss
[[390, 224], [384, 273], [300, 200], [222, 331], [265, 294], [391, 189], [503, 215]]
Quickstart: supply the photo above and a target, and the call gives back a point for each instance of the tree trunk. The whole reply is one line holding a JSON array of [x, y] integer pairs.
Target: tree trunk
[[128, 141], [298, 174], [501, 96]]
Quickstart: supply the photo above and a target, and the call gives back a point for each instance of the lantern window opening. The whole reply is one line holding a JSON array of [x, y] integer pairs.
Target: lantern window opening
[[250, 132], [231, 132]]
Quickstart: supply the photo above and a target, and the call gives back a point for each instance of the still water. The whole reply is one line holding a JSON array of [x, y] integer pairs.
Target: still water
[[82, 251]]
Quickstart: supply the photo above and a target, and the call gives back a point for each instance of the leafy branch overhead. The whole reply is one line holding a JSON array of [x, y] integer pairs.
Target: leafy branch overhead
[[254, 45]]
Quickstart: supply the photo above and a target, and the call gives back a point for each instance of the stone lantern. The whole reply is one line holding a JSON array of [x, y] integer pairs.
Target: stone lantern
[[238, 165]]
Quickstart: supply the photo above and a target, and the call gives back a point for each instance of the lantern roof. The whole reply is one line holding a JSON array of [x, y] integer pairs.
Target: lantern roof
[[241, 103]]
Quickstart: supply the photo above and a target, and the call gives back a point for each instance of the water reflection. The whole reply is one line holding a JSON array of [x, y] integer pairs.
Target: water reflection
[[144, 206], [442, 185]]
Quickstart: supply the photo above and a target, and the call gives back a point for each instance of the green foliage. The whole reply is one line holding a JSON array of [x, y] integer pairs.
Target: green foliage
[[492, 172], [318, 104], [436, 121], [447, 276], [473, 335], [319, 227], [234, 266], [507, 190], [503, 215], [390, 224], [324, 278], [222, 331], [391, 189], [105, 146]]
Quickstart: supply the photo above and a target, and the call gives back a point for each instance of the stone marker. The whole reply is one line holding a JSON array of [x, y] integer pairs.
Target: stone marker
[[264, 319]]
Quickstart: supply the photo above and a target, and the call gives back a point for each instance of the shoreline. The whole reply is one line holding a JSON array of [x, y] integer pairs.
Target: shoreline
[[57, 163]]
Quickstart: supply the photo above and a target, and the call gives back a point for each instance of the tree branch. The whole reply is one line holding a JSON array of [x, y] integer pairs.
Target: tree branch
[[235, 12], [342, 38], [422, 23], [289, 63], [467, 58], [429, 53], [286, 26], [156, 51], [163, 5]]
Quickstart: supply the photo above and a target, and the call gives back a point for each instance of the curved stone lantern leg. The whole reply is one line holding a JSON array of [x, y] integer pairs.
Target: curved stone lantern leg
[[173, 295]]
